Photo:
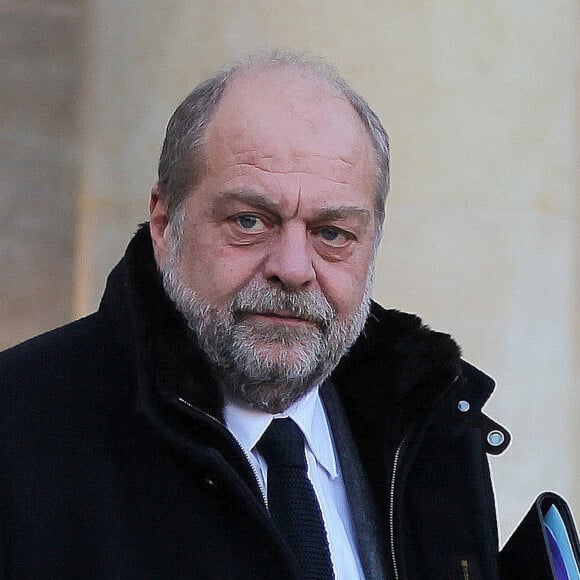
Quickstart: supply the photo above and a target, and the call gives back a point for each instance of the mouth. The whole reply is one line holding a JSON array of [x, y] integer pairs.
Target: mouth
[[281, 318]]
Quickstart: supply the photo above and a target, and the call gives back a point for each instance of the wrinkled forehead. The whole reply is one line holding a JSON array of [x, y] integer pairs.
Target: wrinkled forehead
[[285, 112]]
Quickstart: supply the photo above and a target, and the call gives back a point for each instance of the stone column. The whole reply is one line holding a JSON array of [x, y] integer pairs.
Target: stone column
[[39, 70]]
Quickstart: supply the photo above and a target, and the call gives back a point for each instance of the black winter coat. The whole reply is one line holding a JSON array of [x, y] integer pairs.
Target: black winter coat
[[114, 463]]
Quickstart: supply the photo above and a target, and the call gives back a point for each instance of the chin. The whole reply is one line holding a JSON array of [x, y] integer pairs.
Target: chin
[[282, 355]]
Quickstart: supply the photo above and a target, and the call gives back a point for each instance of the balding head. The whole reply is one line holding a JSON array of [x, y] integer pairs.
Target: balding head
[[182, 162], [268, 248]]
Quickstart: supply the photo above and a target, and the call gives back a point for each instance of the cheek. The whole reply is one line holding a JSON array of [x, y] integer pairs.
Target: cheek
[[344, 288], [217, 273]]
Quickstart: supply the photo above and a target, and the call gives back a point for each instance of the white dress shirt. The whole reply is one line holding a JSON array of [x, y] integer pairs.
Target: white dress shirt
[[248, 425]]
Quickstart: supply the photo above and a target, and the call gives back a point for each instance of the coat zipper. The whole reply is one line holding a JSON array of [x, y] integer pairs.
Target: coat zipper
[[244, 452], [396, 464]]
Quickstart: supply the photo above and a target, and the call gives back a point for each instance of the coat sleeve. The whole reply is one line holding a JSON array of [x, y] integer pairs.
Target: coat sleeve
[[3, 573]]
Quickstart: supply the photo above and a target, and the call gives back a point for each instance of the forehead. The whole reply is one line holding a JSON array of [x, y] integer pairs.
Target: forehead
[[291, 118]]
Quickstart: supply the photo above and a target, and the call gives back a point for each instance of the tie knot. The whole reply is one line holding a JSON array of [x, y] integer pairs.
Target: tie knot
[[283, 444]]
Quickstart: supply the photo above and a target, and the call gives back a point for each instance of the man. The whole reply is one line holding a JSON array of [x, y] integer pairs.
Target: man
[[133, 441]]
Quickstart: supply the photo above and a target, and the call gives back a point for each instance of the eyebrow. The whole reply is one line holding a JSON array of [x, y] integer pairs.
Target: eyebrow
[[259, 201], [344, 212], [254, 199]]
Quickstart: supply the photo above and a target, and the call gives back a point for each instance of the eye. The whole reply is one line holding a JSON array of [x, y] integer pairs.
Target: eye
[[249, 222], [334, 236]]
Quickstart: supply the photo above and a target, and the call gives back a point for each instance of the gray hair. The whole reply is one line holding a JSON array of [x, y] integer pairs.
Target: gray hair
[[182, 163]]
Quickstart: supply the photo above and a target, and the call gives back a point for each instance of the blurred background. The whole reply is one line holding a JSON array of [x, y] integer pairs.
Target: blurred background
[[483, 230]]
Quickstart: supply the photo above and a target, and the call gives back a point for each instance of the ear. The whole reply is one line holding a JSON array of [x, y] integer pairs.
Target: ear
[[159, 225]]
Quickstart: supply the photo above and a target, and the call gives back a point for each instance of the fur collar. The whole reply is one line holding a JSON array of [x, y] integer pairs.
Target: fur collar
[[395, 371]]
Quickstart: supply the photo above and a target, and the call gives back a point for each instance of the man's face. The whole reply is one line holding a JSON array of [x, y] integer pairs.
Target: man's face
[[272, 264]]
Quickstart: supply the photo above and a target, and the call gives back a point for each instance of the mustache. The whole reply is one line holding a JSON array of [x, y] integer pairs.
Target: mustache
[[307, 305]]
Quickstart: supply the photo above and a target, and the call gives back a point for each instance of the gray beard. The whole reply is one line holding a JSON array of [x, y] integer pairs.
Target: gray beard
[[239, 347]]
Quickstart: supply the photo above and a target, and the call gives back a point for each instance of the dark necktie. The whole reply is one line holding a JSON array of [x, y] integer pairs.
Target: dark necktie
[[291, 498]]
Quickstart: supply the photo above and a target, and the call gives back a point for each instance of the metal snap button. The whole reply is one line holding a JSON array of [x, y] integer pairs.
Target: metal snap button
[[495, 438], [463, 406]]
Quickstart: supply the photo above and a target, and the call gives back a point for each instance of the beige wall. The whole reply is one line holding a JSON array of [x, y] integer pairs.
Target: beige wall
[[483, 226], [39, 170]]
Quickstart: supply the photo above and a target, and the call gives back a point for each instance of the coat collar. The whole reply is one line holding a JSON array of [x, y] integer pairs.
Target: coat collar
[[393, 373]]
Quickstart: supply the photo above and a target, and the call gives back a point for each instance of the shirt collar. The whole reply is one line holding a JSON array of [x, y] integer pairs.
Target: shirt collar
[[248, 425]]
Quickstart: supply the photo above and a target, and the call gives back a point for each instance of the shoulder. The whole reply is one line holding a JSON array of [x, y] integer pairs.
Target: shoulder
[[66, 367], [52, 351]]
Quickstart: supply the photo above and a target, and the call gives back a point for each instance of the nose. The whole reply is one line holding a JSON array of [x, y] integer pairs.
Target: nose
[[289, 261]]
